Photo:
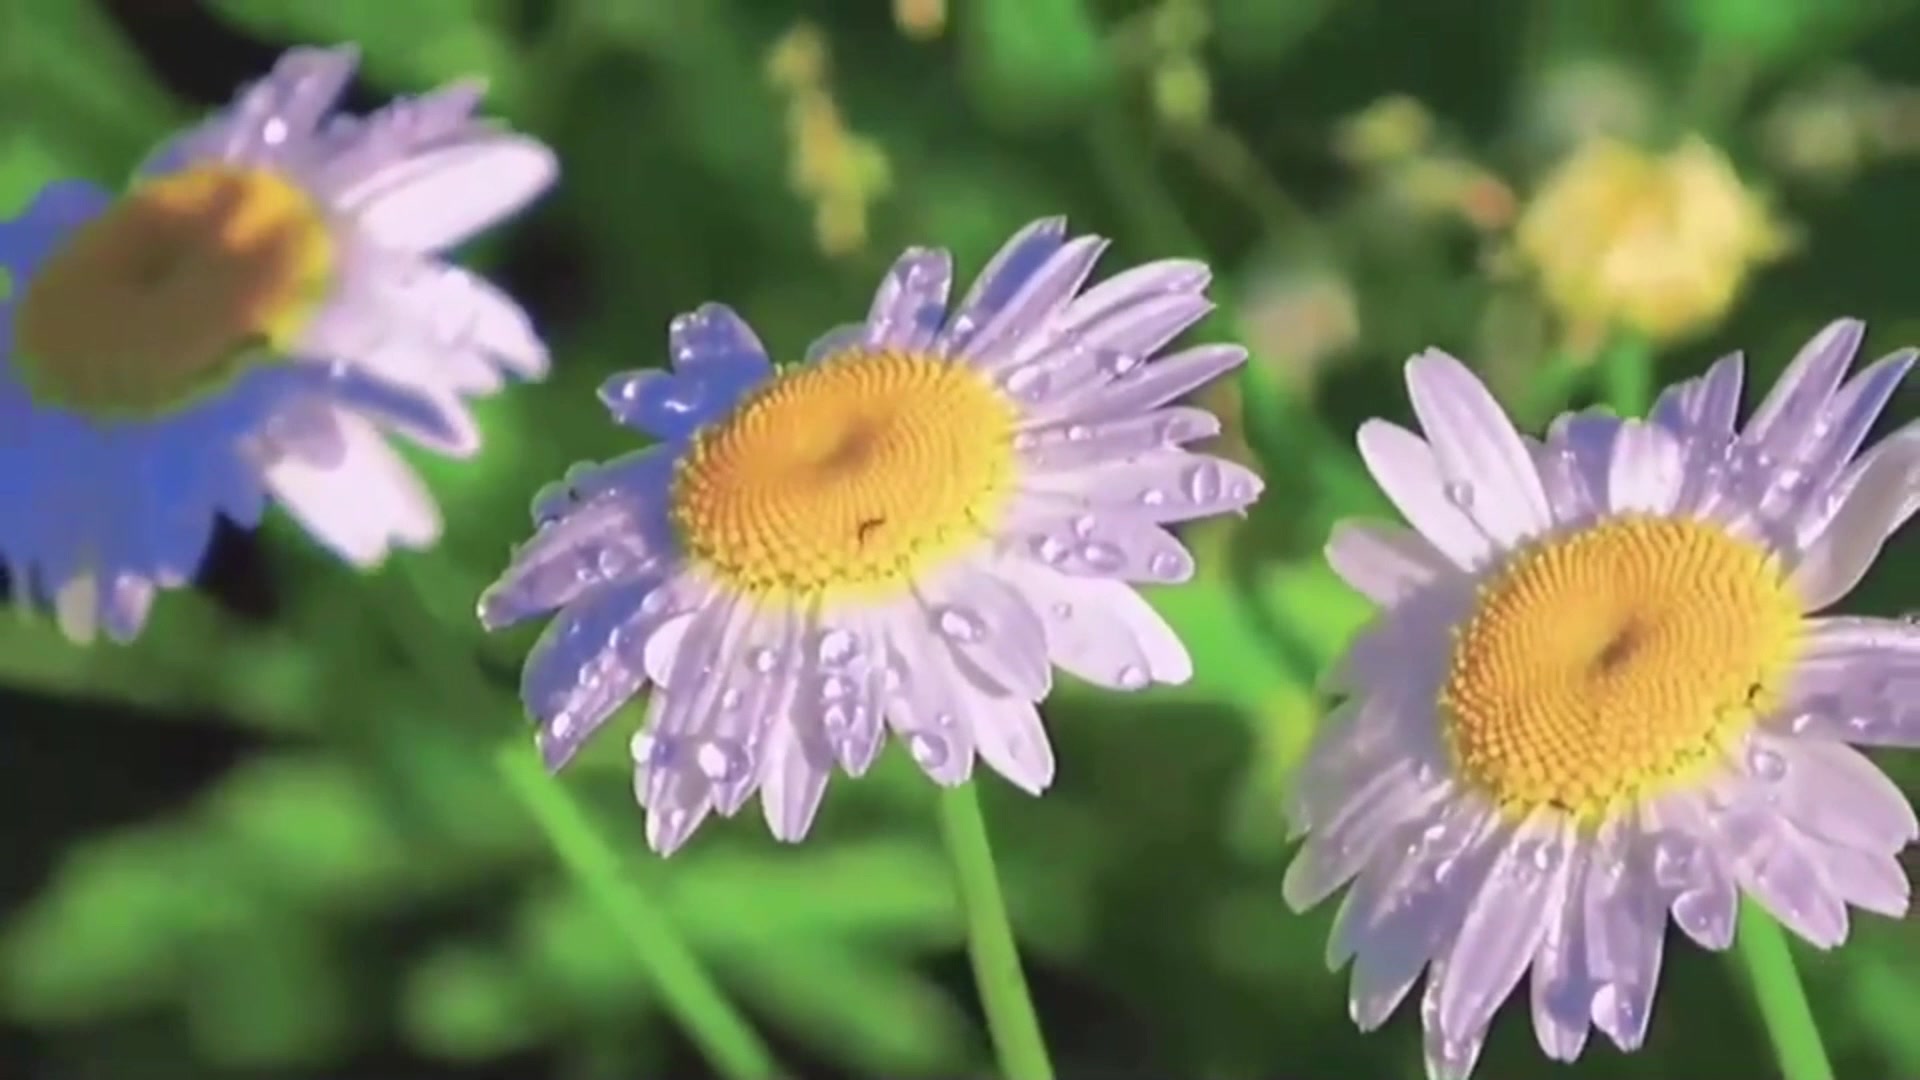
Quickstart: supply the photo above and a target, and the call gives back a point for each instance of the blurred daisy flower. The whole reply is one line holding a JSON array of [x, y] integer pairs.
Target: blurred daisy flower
[[1599, 694], [907, 530], [1661, 245], [247, 320]]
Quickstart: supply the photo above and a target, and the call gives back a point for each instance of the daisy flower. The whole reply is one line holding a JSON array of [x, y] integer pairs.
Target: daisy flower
[[1600, 693], [247, 320], [905, 531]]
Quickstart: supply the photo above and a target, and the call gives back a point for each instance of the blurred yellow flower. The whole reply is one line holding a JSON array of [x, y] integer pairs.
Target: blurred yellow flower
[[1390, 130], [921, 20], [1657, 243]]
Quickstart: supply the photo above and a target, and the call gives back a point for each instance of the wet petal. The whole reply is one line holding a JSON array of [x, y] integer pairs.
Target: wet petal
[[1164, 486], [1009, 269], [912, 301], [1355, 828], [1835, 794], [1873, 509], [1626, 925], [604, 542], [844, 686], [1799, 398], [1701, 411], [1576, 464], [1101, 631], [1384, 563], [1504, 926], [1118, 546], [1038, 299], [1010, 738], [993, 631], [925, 709], [585, 665], [1146, 386], [713, 341], [1077, 445], [1563, 988], [792, 785], [1647, 470], [1475, 446], [1404, 466]]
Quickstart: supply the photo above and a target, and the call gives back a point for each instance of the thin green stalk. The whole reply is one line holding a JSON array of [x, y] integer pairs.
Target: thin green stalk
[[687, 991], [1626, 373], [1781, 999], [1002, 986], [689, 994]]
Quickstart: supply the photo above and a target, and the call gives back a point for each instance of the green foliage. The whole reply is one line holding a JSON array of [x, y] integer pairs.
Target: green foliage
[[363, 875]]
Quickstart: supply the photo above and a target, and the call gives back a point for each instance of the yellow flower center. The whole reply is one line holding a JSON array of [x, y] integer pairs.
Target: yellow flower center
[[173, 292], [1608, 665], [856, 473]]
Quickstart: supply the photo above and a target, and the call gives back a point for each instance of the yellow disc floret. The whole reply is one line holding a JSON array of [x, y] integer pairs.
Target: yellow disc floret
[[172, 291], [856, 473], [1606, 666]]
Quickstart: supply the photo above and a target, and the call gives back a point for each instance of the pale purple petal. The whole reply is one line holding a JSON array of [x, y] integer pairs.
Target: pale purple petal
[[1354, 828], [911, 303], [1384, 563], [1647, 470], [844, 686], [437, 199], [1799, 399], [1077, 445], [996, 637], [1626, 925], [1009, 269], [1563, 988], [1101, 631], [1504, 926], [1873, 509], [1041, 297], [1146, 386], [1163, 485], [1067, 539], [925, 708], [1404, 466], [1477, 449]]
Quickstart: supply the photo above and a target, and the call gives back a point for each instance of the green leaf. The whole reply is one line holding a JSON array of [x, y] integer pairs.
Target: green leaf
[[466, 1003], [268, 993], [1034, 64]]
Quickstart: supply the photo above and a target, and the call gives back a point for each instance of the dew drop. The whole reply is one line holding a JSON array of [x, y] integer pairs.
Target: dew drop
[[762, 660], [1167, 566], [1079, 433], [1545, 857], [929, 751], [730, 698], [1028, 382], [1459, 494], [836, 646], [959, 624], [1131, 677], [721, 761], [1050, 550], [1153, 497], [1673, 861], [1101, 556], [835, 688], [1203, 482], [561, 725], [1083, 526], [1062, 610], [1766, 764]]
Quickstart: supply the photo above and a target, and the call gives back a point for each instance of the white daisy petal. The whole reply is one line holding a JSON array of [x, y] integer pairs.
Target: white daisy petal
[[364, 504], [1576, 465], [585, 666], [1563, 989], [1869, 880], [911, 305], [1126, 547], [1352, 834], [438, 199], [1101, 631], [1404, 466], [792, 786], [993, 631], [1165, 486], [925, 710], [1076, 445], [1037, 300], [605, 542], [1477, 448], [1646, 472], [1383, 562], [1835, 794], [1701, 412], [1872, 510], [1504, 926], [1133, 289], [1016, 261], [1794, 407], [844, 688], [1626, 933], [1011, 740]]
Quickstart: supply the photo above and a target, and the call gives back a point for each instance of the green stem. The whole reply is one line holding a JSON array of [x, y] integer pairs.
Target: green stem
[[1626, 373], [689, 994], [686, 990], [1782, 1001], [1002, 985]]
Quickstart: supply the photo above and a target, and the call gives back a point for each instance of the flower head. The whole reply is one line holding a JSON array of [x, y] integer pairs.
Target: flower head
[[1657, 244], [1600, 694], [247, 320], [906, 531]]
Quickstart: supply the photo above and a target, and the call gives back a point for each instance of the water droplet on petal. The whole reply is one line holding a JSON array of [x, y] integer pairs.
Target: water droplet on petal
[[836, 646], [959, 624], [1049, 550], [1459, 494], [721, 761], [1083, 526], [762, 660], [1028, 382], [835, 688], [1766, 764], [1062, 610], [1674, 859], [929, 751], [1203, 482], [1131, 677], [1102, 557], [1167, 566], [1078, 433], [1153, 497]]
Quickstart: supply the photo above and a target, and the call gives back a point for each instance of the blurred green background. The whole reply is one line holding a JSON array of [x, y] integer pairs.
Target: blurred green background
[[263, 842]]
